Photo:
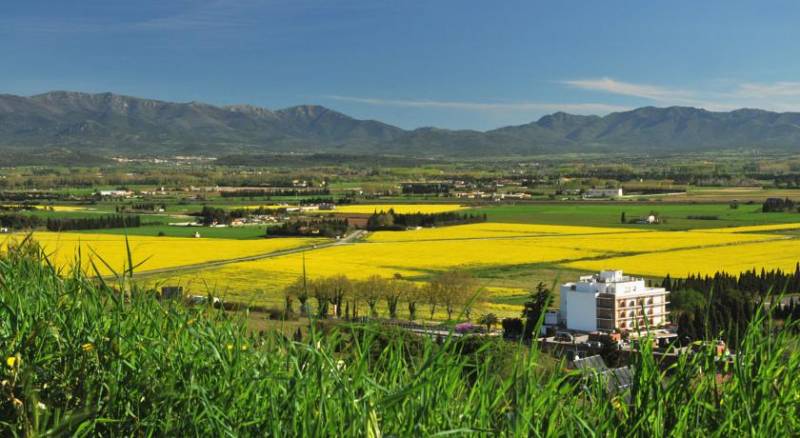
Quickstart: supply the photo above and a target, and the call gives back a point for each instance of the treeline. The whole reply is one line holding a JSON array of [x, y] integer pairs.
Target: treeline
[[35, 196], [93, 223], [326, 200], [425, 188], [214, 215], [391, 221], [322, 159], [454, 292], [305, 228], [16, 221], [705, 306], [254, 193], [778, 205], [141, 206]]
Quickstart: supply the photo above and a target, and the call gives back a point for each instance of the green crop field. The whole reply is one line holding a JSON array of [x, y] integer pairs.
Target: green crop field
[[608, 214], [249, 232]]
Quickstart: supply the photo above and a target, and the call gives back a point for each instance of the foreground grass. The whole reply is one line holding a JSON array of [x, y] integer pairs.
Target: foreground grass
[[81, 358]]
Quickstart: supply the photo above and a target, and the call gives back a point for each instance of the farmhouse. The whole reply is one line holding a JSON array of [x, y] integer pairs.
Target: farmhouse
[[611, 301], [115, 193], [603, 193]]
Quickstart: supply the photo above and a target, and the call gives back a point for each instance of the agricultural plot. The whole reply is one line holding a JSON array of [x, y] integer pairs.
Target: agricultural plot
[[152, 252], [783, 254], [492, 230], [675, 216], [398, 208], [503, 256], [507, 257], [408, 259]]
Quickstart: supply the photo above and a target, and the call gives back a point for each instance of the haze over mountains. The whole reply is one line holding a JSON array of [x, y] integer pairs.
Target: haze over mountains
[[108, 123]]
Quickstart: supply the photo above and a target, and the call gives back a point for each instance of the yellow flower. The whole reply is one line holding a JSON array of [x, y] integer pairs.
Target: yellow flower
[[12, 361], [87, 347], [229, 346], [244, 347]]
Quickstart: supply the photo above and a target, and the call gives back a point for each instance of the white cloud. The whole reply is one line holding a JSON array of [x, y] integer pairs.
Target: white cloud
[[591, 108], [774, 96], [613, 86], [763, 91]]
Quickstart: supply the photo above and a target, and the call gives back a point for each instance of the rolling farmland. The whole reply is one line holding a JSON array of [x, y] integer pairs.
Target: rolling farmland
[[508, 258], [505, 257]]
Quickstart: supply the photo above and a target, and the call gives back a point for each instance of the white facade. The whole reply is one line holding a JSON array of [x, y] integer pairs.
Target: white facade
[[603, 193], [115, 193], [611, 301]]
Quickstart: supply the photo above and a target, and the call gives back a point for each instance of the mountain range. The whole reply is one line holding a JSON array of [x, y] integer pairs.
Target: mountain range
[[108, 123]]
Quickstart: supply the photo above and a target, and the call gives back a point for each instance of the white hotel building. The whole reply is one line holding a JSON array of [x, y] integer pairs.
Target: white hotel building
[[610, 301]]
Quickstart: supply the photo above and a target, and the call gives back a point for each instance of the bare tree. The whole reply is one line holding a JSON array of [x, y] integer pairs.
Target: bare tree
[[338, 287], [319, 289], [372, 290], [489, 320], [412, 295], [432, 294], [299, 290], [457, 289], [396, 289]]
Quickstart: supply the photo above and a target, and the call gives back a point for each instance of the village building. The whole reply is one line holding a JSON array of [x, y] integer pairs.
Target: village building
[[603, 193], [611, 301], [115, 193]]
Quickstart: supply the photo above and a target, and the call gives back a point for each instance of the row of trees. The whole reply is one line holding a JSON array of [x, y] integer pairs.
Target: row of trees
[[313, 227], [705, 306], [390, 220], [18, 221], [452, 291], [141, 206], [325, 200], [93, 223], [778, 205], [215, 215], [254, 193]]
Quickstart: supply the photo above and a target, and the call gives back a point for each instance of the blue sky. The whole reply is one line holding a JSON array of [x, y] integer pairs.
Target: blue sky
[[446, 63]]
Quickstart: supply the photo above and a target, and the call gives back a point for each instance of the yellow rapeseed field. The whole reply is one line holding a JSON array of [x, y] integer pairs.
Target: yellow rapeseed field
[[490, 249], [159, 252], [59, 208], [756, 228], [491, 230], [361, 260], [783, 254], [652, 241]]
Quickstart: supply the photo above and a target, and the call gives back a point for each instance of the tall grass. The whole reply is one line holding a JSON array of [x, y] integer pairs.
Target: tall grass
[[84, 358]]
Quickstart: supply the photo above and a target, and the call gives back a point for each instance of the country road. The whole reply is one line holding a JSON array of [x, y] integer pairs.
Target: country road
[[348, 239]]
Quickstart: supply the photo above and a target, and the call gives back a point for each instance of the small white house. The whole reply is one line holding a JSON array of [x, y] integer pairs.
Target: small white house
[[603, 193], [114, 193]]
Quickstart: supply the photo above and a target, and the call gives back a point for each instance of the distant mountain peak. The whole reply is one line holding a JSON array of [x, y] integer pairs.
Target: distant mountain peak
[[116, 123]]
